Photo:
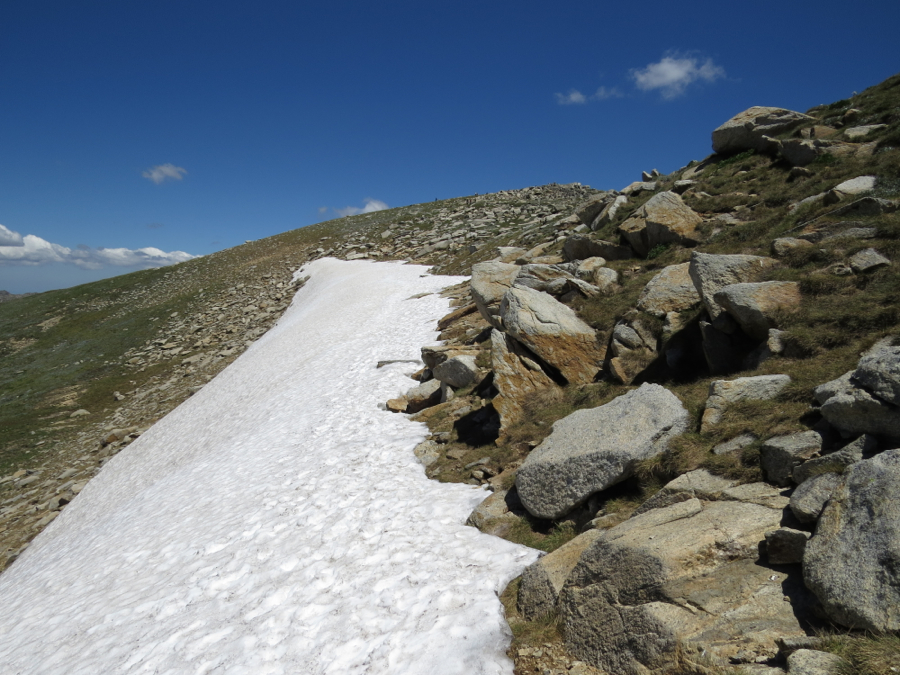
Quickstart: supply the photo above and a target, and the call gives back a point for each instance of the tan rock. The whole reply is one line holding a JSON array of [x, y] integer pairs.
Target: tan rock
[[749, 129], [672, 290], [516, 375], [711, 273], [490, 280], [665, 219], [553, 332]]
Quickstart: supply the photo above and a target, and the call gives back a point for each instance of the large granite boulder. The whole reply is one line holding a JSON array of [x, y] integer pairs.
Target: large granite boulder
[[552, 279], [587, 211], [664, 219], [543, 580], [711, 273], [779, 455], [722, 393], [748, 130], [458, 371], [755, 305], [811, 496], [672, 290], [684, 575], [517, 375], [553, 332], [490, 281], [852, 563], [590, 450]]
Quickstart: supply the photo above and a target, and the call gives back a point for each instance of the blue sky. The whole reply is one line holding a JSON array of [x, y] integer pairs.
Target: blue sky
[[133, 131]]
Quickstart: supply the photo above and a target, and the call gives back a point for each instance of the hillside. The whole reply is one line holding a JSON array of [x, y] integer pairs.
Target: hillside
[[814, 198]]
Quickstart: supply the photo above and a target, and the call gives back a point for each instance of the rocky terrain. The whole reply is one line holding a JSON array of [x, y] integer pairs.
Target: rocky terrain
[[686, 391]]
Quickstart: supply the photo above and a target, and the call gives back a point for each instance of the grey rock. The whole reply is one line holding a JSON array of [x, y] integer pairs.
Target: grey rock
[[608, 214], [553, 332], [501, 507], [724, 392], [868, 259], [423, 396], [811, 495], [836, 462], [852, 563], [853, 410], [711, 273], [867, 206], [490, 281], [856, 133], [664, 219], [552, 279], [879, 373], [682, 186], [800, 152], [810, 662], [755, 305], [779, 455], [458, 371], [427, 452], [587, 211], [785, 546], [543, 580], [761, 494], [784, 245], [748, 130], [593, 449]]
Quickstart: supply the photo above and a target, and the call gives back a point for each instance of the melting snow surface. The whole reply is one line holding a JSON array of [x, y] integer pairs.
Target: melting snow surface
[[277, 521]]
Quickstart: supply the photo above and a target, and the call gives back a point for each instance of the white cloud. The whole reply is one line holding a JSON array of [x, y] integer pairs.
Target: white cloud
[[673, 73], [574, 97], [604, 93], [36, 251], [371, 206], [163, 172], [10, 238]]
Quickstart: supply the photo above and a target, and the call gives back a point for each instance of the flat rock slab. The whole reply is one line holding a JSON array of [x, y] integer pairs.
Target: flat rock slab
[[852, 563], [868, 259], [590, 450]]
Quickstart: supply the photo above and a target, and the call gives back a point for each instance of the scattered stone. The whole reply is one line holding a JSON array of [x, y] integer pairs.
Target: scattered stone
[[856, 133], [724, 392], [785, 546], [750, 129], [852, 563], [879, 372], [735, 444], [868, 259], [496, 512], [81, 412], [809, 662], [785, 245], [779, 455], [867, 206], [427, 452], [853, 410], [458, 371], [423, 396], [593, 449]]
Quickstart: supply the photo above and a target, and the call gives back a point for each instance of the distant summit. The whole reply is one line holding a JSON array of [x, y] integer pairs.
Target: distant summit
[[6, 296]]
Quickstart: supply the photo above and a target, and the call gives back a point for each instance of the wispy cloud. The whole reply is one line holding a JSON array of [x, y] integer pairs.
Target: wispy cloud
[[574, 97], [10, 238], [371, 205], [323, 209], [604, 93], [163, 172], [36, 251], [673, 73], [154, 226]]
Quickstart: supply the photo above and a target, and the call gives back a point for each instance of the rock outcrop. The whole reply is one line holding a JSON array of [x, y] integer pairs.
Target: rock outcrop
[[753, 128]]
